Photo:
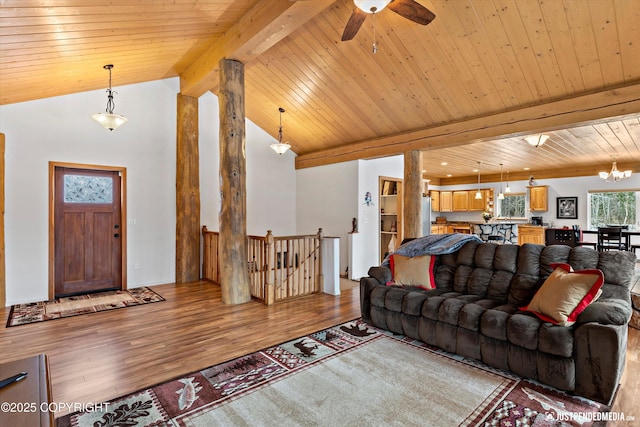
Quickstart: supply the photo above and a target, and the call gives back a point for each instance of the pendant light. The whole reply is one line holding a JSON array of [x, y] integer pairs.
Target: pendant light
[[478, 193], [109, 120], [280, 147], [507, 189], [500, 194]]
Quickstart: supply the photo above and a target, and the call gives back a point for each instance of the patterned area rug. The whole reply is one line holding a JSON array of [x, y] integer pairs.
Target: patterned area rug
[[22, 314], [350, 374]]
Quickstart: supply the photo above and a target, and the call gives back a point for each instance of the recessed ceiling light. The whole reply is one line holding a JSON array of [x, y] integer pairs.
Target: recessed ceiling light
[[449, 175], [527, 169], [444, 164], [475, 170]]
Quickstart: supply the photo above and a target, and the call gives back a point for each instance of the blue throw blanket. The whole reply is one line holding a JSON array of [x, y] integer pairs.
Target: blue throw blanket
[[435, 244]]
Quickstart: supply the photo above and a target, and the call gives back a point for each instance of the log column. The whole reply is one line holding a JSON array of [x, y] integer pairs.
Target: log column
[[234, 276], [187, 192], [2, 262], [412, 194]]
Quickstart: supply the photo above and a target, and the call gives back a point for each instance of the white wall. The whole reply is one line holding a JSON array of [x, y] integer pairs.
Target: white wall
[[327, 198], [61, 129], [271, 178], [367, 252]]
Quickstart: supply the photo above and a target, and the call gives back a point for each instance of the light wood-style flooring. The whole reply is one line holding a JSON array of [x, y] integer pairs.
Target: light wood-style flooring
[[97, 357]]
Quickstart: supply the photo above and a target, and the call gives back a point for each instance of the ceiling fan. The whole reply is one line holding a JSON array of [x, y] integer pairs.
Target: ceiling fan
[[409, 9]]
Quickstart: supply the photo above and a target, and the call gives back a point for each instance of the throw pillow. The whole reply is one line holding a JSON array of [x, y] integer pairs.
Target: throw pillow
[[413, 271], [565, 294]]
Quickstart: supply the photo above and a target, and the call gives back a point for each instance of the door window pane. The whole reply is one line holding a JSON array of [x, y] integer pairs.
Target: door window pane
[[88, 189]]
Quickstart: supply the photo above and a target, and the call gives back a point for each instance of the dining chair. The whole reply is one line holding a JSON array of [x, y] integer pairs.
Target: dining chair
[[610, 238]]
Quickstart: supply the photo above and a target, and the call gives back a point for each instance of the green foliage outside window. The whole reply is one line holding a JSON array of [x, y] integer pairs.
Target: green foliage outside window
[[513, 206], [612, 208]]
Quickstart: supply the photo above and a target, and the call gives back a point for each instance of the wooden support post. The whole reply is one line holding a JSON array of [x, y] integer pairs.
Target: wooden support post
[[187, 192], [270, 287], [412, 194], [234, 275], [3, 294], [320, 274]]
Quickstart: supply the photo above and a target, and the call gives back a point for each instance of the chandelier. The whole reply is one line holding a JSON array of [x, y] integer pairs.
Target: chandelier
[[280, 147], [614, 175], [109, 120]]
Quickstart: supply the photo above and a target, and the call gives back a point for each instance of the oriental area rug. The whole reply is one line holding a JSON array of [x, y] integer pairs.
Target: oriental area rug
[[22, 314], [348, 375]]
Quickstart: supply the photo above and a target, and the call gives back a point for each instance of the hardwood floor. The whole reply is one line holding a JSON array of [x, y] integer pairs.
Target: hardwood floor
[[97, 357]]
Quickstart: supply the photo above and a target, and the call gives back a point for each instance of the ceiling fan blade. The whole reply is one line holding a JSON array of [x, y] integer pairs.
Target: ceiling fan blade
[[412, 10], [355, 22]]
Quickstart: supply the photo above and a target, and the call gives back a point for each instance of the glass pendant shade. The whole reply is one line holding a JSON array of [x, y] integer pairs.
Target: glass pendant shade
[[280, 147], [478, 195], [110, 121], [537, 140], [501, 196], [371, 6]]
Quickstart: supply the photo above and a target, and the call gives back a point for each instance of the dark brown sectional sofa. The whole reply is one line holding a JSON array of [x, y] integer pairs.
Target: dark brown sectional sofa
[[473, 311]]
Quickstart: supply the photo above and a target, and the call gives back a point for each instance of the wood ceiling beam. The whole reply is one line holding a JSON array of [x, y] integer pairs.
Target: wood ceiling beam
[[262, 27], [560, 114], [584, 170]]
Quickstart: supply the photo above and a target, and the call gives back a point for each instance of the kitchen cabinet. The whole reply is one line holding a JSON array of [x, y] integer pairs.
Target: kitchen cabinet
[[538, 198], [531, 234], [435, 200], [446, 201], [460, 201]]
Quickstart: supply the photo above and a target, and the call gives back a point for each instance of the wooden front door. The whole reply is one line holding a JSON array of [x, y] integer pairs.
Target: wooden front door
[[87, 231]]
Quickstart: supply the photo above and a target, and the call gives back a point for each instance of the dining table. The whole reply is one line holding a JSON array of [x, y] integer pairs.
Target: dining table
[[626, 234]]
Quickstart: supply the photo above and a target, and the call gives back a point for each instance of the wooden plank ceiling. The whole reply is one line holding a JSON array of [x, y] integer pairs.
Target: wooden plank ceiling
[[466, 88]]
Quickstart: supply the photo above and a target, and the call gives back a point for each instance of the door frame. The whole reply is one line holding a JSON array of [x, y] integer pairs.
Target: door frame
[[123, 213]]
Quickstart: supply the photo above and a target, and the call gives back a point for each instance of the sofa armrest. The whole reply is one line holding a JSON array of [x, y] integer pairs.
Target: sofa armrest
[[366, 286], [600, 352], [381, 273], [610, 312]]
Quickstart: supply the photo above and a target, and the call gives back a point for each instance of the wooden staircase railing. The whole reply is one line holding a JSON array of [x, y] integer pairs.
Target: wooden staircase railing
[[280, 268]]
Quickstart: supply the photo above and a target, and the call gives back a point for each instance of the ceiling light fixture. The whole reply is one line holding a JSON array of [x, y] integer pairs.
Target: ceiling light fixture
[[537, 140], [280, 147], [500, 194], [507, 189], [371, 6], [109, 120], [478, 193], [614, 175]]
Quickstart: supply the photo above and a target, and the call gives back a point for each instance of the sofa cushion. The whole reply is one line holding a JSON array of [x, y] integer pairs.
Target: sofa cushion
[[522, 330], [414, 271], [565, 294]]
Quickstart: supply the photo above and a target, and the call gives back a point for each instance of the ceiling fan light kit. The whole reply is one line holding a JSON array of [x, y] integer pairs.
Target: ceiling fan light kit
[[108, 120], [408, 9], [371, 6]]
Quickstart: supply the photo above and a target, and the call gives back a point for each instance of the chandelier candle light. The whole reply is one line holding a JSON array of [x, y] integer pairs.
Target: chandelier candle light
[[109, 120], [280, 147], [614, 175]]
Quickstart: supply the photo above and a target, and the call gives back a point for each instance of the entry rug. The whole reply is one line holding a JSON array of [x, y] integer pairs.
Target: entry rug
[[22, 314], [348, 375]]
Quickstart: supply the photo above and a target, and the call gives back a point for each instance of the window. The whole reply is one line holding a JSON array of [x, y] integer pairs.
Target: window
[[512, 206], [613, 207]]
